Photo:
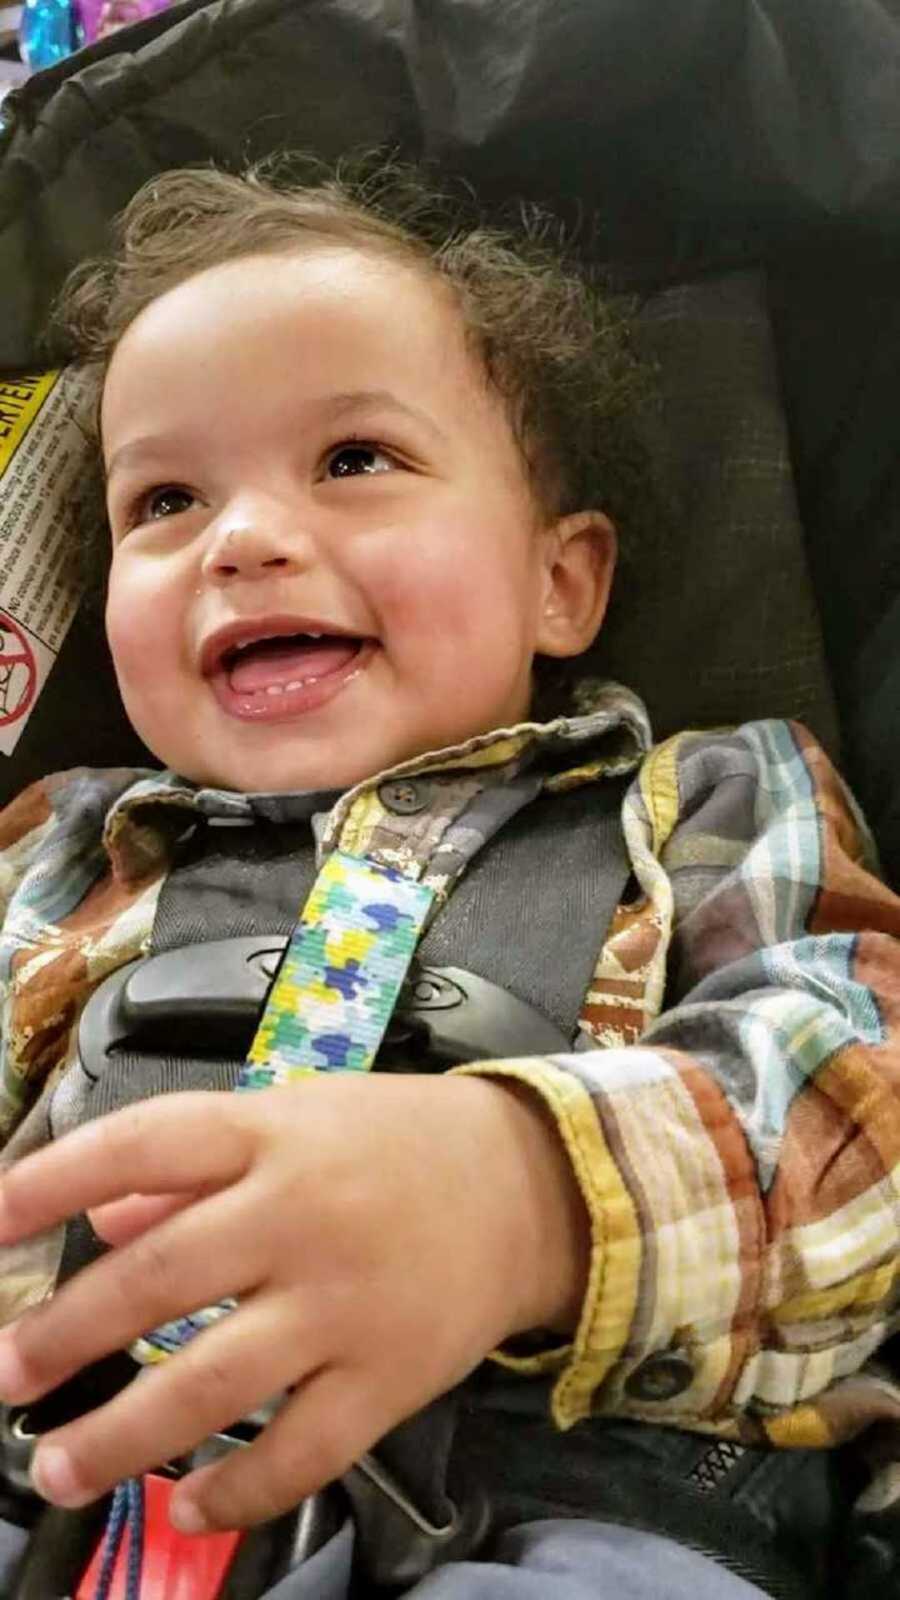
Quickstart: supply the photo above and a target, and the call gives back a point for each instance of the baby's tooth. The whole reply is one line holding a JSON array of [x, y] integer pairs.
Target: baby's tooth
[[274, 688]]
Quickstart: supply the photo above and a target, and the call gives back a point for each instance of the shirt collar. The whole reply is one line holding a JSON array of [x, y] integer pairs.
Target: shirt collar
[[610, 737]]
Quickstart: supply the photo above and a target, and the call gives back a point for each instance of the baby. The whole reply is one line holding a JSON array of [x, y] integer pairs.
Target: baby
[[362, 480]]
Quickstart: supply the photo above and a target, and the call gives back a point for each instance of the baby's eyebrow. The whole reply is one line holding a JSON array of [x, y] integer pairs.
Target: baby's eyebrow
[[338, 405], [332, 407], [137, 451]]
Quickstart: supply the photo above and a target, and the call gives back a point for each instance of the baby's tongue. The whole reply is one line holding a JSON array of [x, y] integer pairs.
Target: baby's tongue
[[290, 660]]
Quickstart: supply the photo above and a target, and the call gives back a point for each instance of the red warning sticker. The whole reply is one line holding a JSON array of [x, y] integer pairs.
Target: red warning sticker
[[44, 453], [18, 672]]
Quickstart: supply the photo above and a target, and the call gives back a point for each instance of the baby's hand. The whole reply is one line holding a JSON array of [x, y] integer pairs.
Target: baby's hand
[[381, 1233]]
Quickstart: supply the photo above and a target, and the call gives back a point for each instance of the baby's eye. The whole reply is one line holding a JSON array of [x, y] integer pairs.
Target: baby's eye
[[352, 460], [168, 501]]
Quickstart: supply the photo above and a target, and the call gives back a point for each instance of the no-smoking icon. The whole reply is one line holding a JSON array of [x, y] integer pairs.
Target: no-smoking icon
[[18, 672]]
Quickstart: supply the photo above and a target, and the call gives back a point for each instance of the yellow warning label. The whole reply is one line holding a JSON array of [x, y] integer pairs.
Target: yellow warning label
[[43, 450], [20, 401]]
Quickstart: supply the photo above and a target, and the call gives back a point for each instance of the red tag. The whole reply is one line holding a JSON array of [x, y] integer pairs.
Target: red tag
[[177, 1566]]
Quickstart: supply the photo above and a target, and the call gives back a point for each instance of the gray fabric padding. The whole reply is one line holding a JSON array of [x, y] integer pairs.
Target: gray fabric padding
[[548, 882], [13, 1540], [550, 1560], [714, 621], [556, 1560]]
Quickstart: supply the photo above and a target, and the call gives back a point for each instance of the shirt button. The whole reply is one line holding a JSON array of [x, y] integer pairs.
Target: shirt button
[[660, 1377], [404, 796]]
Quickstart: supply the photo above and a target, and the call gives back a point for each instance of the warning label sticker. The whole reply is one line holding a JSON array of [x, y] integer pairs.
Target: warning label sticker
[[18, 673], [43, 451]]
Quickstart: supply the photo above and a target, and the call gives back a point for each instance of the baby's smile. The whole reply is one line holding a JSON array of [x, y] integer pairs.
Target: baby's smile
[[277, 668]]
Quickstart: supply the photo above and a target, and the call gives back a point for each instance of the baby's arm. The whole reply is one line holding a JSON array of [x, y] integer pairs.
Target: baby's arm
[[738, 1162]]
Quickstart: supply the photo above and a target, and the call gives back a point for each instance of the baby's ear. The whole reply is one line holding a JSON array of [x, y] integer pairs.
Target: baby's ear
[[580, 558]]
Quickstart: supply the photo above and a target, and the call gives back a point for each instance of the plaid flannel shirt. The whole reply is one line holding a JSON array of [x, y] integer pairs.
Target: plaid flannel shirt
[[736, 1132]]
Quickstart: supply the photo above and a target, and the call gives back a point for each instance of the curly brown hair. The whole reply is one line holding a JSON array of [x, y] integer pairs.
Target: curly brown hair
[[555, 345]]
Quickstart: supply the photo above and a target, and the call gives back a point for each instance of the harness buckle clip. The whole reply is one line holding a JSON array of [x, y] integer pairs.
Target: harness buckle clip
[[216, 991]]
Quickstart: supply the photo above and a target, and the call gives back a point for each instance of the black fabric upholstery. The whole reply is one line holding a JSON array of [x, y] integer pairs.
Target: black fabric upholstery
[[714, 620]]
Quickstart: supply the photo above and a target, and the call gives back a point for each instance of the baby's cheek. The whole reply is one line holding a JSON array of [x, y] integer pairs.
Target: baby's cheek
[[133, 636], [120, 632], [425, 598], [141, 629]]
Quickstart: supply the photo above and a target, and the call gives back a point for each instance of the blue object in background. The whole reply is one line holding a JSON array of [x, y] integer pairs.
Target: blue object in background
[[48, 32]]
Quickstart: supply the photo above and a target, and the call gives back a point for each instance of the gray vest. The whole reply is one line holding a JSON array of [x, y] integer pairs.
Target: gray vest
[[528, 916]]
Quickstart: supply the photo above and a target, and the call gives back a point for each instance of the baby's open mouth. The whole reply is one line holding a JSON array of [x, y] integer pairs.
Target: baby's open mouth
[[278, 665], [284, 675]]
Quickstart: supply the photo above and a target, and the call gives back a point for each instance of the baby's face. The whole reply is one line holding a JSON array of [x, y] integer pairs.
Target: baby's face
[[326, 557]]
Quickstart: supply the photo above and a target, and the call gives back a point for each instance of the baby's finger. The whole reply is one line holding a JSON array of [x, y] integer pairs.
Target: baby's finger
[[226, 1372], [194, 1259], [170, 1144], [120, 1221], [317, 1434]]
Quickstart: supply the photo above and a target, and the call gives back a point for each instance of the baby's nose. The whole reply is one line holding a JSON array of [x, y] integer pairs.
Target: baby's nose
[[241, 549], [246, 544]]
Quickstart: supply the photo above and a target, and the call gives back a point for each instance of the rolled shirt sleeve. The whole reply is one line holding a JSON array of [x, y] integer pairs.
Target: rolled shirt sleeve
[[739, 1160]]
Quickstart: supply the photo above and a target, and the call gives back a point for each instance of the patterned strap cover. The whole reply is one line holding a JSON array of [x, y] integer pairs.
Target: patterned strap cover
[[330, 1004]]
